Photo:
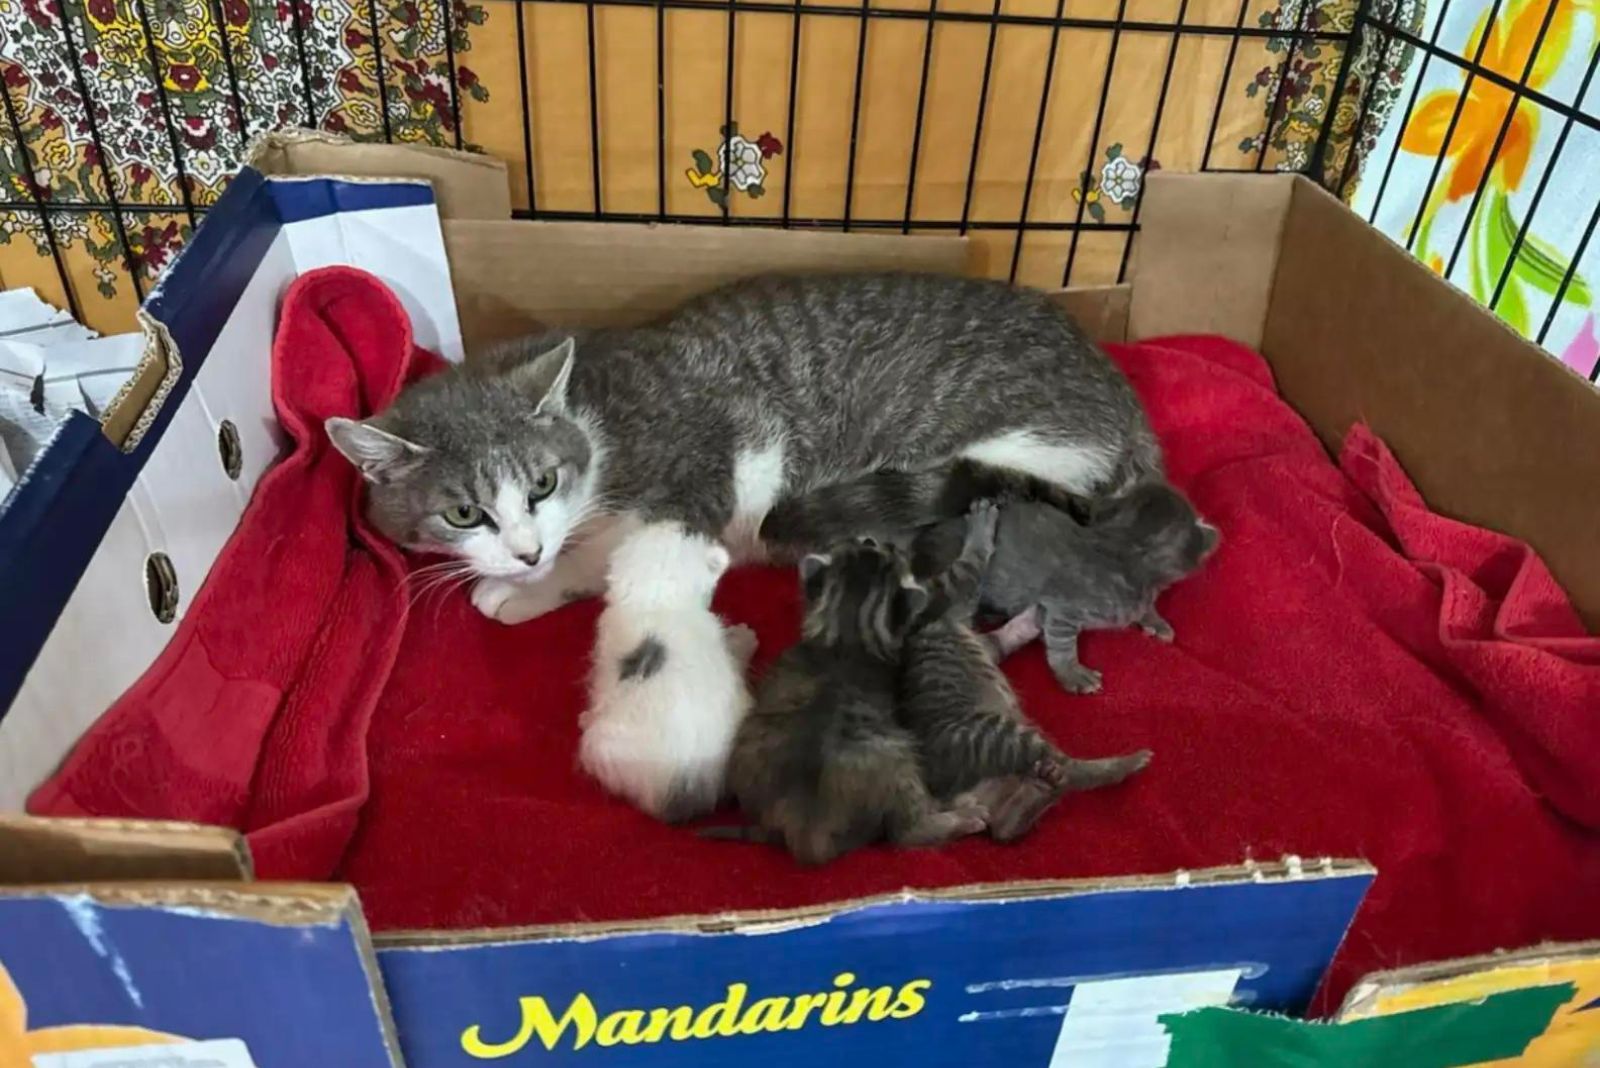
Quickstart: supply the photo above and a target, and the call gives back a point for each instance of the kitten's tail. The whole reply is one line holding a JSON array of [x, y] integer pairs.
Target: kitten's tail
[[890, 502], [1092, 774], [737, 832]]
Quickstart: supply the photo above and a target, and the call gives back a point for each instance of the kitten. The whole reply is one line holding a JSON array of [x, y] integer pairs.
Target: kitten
[[976, 746], [521, 463], [1051, 575], [889, 504], [667, 692], [820, 765]]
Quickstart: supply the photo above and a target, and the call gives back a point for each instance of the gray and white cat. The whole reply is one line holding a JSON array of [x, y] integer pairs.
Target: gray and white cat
[[767, 387], [532, 466]]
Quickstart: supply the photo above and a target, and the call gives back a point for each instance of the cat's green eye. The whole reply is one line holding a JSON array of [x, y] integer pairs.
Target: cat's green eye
[[464, 516], [543, 486]]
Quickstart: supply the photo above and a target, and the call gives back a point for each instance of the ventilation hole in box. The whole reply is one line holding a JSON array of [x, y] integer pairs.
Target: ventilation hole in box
[[228, 447], [161, 585]]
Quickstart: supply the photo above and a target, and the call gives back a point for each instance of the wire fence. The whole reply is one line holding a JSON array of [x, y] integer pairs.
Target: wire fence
[[1208, 85]]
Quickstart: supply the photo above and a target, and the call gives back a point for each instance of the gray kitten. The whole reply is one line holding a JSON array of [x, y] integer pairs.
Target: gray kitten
[[976, 745], [1053, 575], [529, 467], [890, 504], [820, 764]]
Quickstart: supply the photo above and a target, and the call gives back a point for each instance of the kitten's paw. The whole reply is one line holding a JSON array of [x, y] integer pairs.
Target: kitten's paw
[[1051, 774], [1079, 679], [968, 819], [741, 641], [1020, 807], [982, 518], [511, 602], [1157, 628]]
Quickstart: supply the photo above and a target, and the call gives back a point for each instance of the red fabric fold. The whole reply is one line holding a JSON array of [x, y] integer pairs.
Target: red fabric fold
[[1353, 676], [255, 715]]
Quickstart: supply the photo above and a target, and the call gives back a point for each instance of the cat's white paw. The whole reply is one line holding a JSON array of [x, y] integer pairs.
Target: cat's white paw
[[513, 602]]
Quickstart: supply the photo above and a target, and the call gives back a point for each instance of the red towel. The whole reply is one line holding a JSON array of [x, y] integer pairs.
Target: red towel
[[1353, 676], [256, 714]]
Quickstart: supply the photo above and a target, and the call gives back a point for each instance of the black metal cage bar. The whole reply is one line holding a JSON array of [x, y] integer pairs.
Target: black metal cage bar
[[1372, 39]]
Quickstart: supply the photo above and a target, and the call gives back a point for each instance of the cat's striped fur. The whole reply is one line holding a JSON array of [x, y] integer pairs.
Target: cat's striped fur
[[976, 745]]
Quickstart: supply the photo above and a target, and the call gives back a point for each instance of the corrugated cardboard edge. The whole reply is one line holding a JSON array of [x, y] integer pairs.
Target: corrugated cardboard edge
[[466, 185], [1286, 870], [1488, 425], [281, 904], [1377, 984], [36, 850], [139, 400]]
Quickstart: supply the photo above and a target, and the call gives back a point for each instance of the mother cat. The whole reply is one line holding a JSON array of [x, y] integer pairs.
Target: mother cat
[[534, 464]]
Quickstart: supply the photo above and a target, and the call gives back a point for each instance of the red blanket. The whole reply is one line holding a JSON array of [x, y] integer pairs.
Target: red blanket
[[1353, 676]]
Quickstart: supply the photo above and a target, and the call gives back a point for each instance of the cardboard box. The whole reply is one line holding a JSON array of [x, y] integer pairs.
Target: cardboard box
[[1058, 973], [1569, 1036]]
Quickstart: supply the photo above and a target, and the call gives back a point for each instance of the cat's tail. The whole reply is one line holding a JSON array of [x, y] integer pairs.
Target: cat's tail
[[737, 832], [889, 503], [1093, 774]]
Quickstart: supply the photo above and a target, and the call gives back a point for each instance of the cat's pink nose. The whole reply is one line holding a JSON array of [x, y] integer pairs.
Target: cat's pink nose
[[531, 559]]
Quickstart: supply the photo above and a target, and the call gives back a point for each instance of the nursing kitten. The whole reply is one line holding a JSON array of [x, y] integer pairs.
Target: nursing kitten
[[975, 744], [888, 504], [1052, 575], [520, 464], [667, 692], [820, 765]]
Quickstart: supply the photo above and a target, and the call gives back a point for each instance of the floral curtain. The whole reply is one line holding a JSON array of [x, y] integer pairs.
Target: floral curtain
[[1496, 187], [179, 87]]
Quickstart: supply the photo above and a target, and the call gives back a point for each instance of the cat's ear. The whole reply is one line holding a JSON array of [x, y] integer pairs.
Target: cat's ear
[[812, 564], [379, 455], [546, 377], [717, 559]]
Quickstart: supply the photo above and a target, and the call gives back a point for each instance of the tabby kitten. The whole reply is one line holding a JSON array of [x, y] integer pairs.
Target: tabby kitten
[[976, 746], [820, 765], [1053, 576]]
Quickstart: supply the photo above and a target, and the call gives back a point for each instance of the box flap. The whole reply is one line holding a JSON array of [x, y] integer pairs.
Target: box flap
[[467, 185], [272, 975], [1207, 254], [1018, 974], [1469, 978], [513, 278], [1102, 311], [1489, 426], [83, 850]]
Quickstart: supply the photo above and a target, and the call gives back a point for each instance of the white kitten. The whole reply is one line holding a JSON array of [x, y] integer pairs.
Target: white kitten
[[667, 691]]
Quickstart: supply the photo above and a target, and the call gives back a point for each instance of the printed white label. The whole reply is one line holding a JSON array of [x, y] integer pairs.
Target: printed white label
[[1111, 1023], [219, 1053]]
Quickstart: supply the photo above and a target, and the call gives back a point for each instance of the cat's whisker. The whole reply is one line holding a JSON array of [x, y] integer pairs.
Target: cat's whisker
[[438, 578], [455, 582]]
